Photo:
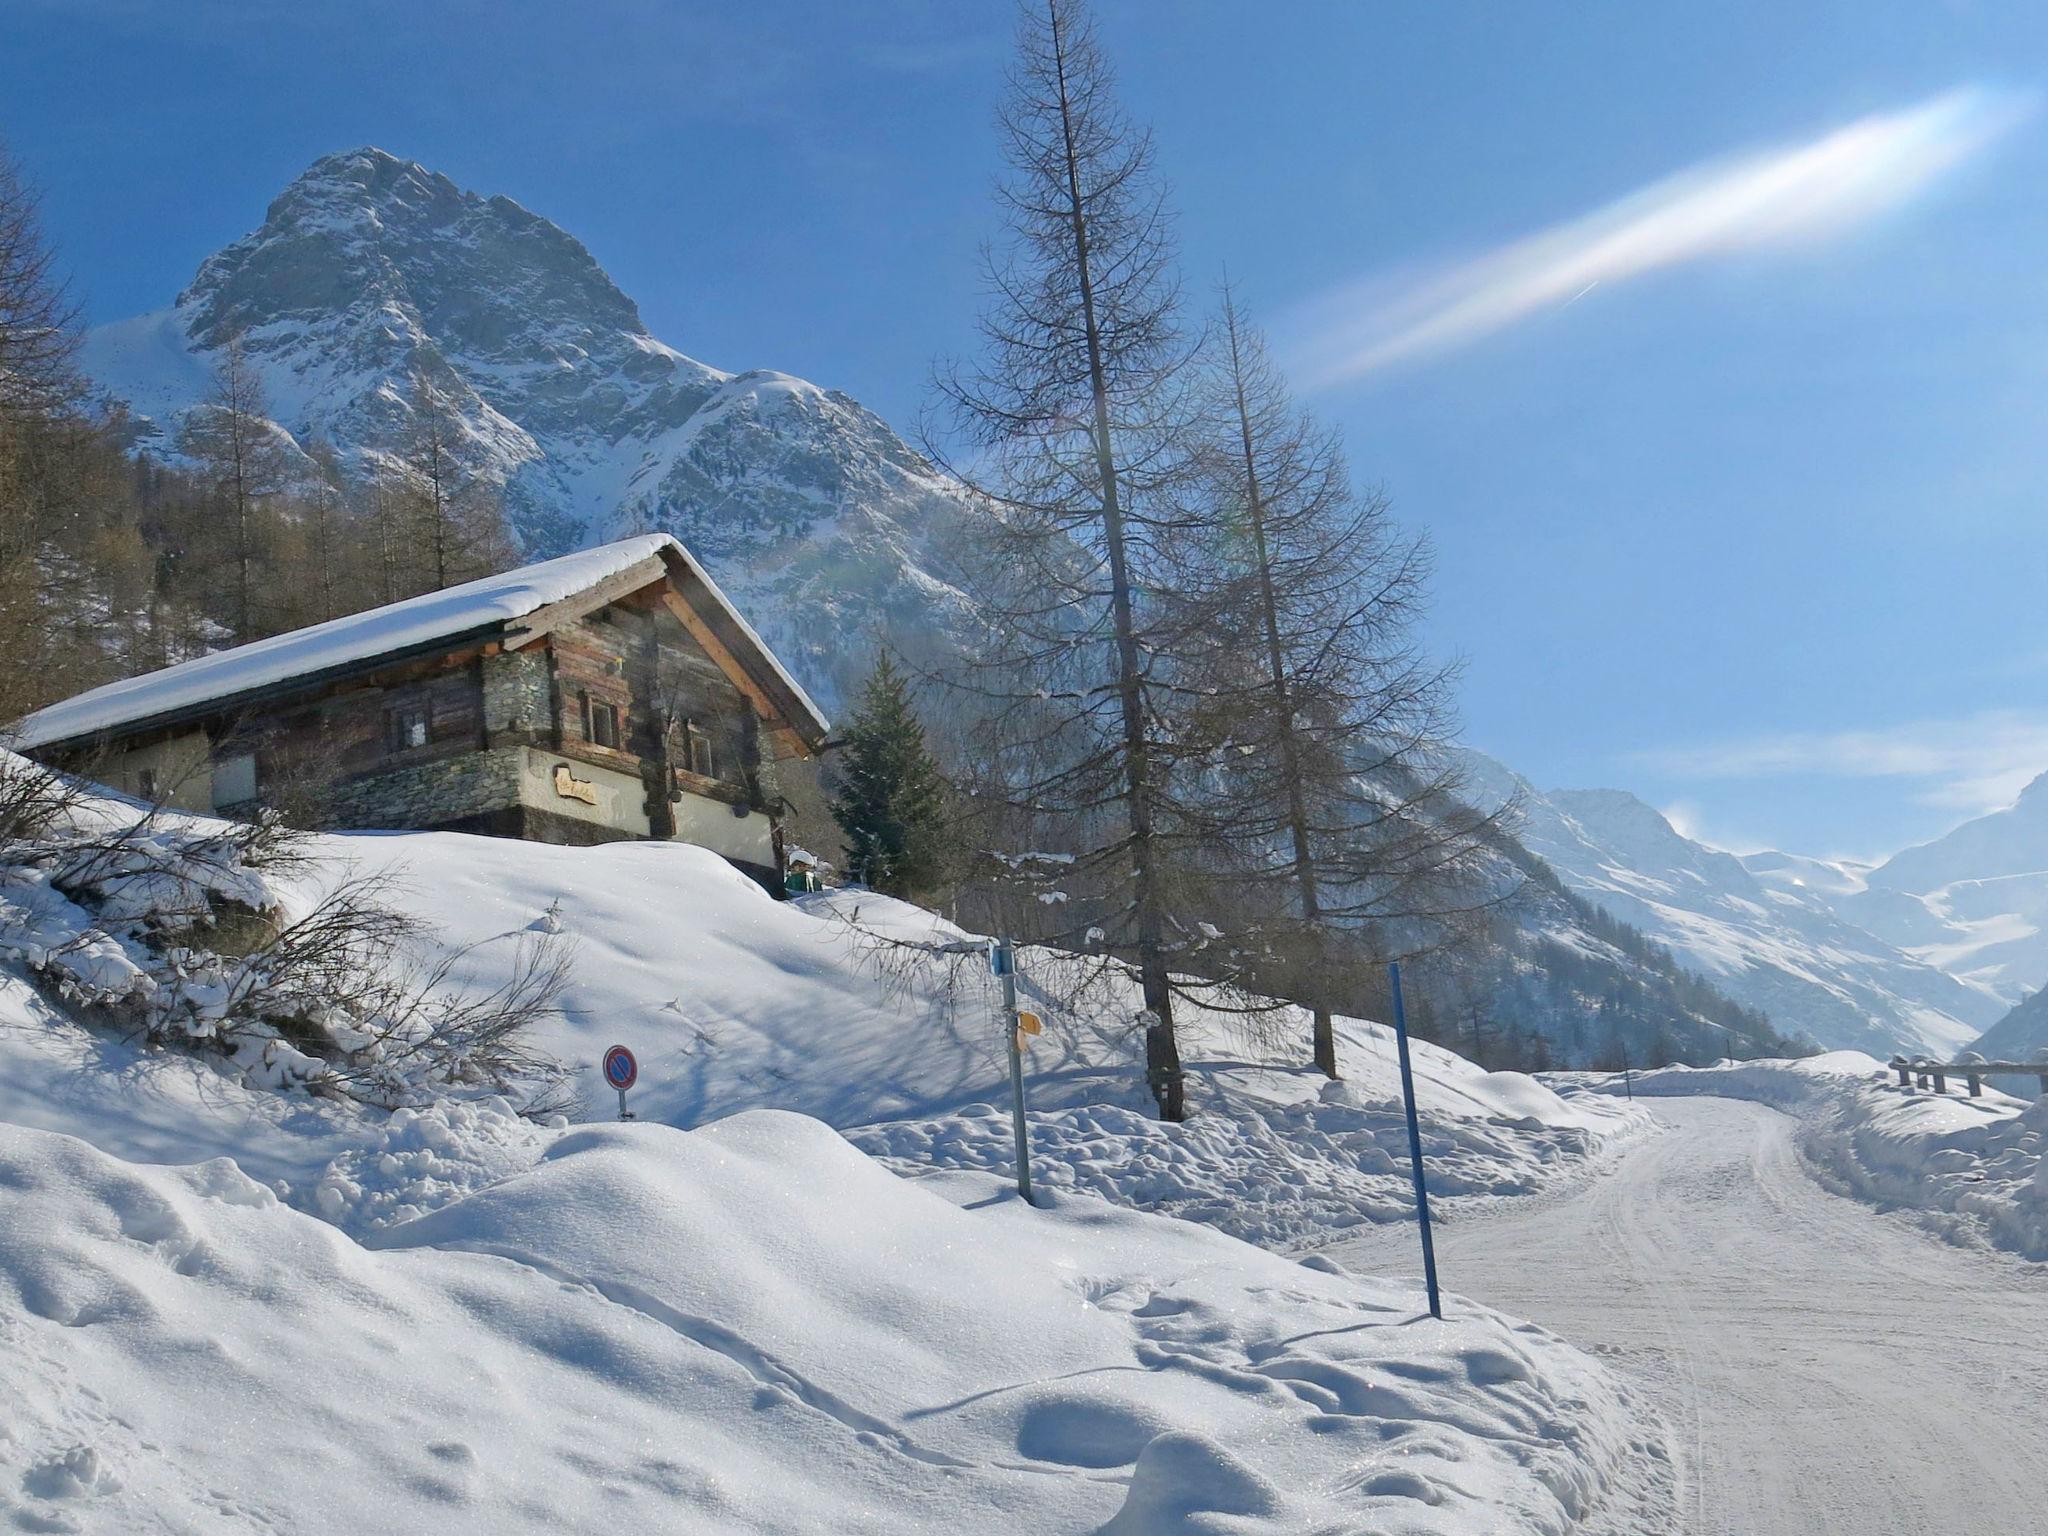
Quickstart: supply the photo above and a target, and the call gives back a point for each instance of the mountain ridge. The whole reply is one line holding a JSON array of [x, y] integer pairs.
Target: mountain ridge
[[1769, 944]]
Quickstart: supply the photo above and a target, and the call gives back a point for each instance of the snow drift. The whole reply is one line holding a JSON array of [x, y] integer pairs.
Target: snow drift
[[229, 1302], [732, 1000], [749, 1327]]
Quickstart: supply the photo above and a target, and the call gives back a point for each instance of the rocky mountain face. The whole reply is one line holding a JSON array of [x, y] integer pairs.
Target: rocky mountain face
[[369, 269], [1763, 934]]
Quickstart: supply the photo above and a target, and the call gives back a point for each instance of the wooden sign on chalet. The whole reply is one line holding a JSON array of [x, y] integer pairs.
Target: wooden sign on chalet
[[615, 693]]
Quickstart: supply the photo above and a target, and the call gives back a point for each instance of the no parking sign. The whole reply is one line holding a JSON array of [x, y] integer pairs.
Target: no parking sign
[[622, 1072]]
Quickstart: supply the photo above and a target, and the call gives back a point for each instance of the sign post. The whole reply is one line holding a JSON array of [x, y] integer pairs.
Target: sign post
[[1002, 959], [1436, 1304], [622, 1072]]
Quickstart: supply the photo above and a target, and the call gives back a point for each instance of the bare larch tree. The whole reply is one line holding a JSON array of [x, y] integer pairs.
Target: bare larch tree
[[455, 525], [38, 318], [1333, 775], [230, 438], [1073, 429]]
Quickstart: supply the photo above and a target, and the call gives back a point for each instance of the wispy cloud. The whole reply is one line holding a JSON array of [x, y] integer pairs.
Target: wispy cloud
[[1782, 196], [1972, 764]]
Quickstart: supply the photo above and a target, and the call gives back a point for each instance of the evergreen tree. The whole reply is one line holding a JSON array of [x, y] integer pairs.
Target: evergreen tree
[[889, 796]]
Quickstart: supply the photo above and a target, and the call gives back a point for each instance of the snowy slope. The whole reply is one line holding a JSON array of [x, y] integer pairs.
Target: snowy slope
[[367, 269], [226, 1305], [748, 1328], [732, 1001], [1768, 942], [2021, 1035], [837, 1007]]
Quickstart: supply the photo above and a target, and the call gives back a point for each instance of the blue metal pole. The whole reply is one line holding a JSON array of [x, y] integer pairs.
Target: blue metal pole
[[1436, 1303]]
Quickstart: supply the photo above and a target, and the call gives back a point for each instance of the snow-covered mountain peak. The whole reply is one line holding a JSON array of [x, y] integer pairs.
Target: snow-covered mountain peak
[[369, 270], [365, 225], [2011, 841], [1641, 835]]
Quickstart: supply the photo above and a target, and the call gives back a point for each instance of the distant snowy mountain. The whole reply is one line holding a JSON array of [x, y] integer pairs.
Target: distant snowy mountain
[[1974, 902], [823, 523], [1760, 934]]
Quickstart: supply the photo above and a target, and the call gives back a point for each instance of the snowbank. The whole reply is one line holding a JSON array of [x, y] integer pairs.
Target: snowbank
[[745, 1328], [1971, 1169], [325, 1316], [356, 1167], [732, 1001]]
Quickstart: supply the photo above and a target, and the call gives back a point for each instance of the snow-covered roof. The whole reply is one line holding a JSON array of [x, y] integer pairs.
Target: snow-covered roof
[[476, 608]]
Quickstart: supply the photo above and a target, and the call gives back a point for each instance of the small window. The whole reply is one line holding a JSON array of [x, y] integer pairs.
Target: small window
[[604, 725], [145, 784], [406, 726], [234, 780], [697, 751]]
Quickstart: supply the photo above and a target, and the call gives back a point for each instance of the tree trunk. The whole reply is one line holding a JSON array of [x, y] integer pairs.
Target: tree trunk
[[1324, 1034], [1162, 1050]]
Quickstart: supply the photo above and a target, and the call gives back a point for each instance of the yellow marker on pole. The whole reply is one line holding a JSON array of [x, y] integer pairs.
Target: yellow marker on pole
[[1029, 1023]]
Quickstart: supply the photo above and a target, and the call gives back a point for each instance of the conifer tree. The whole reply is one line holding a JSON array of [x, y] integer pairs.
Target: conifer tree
[[231, 440], [1075, 417], [889, 796], [1335, 777]]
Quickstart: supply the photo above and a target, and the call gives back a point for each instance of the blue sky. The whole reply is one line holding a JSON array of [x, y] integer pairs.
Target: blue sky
[[1752, 523]]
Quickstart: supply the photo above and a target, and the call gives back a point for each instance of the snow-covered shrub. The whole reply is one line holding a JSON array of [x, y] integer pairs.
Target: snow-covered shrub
[[200, 933]]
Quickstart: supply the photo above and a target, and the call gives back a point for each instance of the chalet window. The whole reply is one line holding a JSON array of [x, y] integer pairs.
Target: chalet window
[[145, 784], [697, 751], [406, 727], [234, 780], [600, 722]]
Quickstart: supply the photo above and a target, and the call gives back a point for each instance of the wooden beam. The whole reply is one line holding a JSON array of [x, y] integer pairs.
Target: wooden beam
[[729, 664], [523, 632]]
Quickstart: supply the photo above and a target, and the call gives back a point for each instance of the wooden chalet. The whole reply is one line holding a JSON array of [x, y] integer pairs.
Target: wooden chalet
[[614, 693]]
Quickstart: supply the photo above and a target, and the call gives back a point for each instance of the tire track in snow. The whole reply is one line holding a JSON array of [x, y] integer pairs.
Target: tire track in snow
[[1832, 1370]]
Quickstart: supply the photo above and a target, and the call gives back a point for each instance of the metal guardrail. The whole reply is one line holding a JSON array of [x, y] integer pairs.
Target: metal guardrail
[[1935, 1074]]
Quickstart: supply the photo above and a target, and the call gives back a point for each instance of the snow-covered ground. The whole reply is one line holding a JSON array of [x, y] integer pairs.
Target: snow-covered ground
[[731, 1000], [750, 1327], [1824, 1368], [226, 1304], [1969, 1168]]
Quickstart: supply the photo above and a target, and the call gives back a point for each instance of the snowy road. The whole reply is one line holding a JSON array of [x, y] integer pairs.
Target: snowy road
[[1823, 1368]]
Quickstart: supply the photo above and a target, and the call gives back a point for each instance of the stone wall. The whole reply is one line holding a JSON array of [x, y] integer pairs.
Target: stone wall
[[429, 794], [518, 697]]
